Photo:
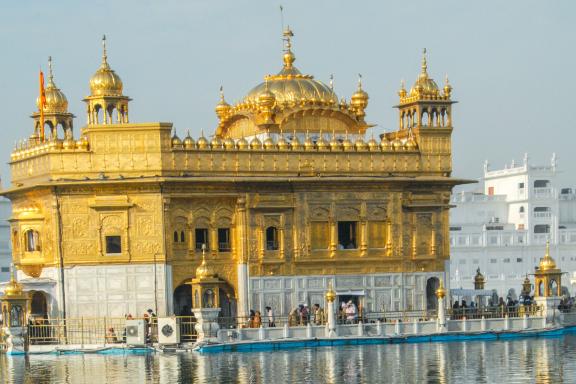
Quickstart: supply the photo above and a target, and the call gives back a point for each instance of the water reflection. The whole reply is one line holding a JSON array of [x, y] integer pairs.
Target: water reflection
[[546, 360]]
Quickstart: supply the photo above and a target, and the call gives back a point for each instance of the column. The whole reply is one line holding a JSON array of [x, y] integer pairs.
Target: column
[[242, 253]]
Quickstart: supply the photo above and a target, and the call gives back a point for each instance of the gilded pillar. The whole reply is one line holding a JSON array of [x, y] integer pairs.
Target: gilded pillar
[[389, 238], [281, 240], [433, 236], [414, 237], [213, 233], [333, 237], [240, 240]]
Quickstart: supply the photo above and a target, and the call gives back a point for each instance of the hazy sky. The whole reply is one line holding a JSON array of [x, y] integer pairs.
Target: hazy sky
[[511, 63]]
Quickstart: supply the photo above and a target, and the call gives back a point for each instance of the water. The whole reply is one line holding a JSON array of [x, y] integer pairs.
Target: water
[[532, 360]]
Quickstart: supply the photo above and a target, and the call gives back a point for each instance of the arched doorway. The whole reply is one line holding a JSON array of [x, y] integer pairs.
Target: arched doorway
[[431, 286], [182, 300], [39, 305]]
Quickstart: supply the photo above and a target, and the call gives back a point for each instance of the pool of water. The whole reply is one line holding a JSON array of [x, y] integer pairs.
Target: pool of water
[[540, 360]]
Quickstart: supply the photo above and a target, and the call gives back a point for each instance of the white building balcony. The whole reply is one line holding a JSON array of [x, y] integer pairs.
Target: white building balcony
[[543, 193]]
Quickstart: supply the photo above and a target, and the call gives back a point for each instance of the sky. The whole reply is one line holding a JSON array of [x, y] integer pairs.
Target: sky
[[511, 63]]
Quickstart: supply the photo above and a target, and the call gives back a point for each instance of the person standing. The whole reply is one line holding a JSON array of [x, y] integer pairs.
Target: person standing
[[319, 317], [270, 315]]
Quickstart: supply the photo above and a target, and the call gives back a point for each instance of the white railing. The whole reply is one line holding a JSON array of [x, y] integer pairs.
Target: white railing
[[540, 193], [543, 215]]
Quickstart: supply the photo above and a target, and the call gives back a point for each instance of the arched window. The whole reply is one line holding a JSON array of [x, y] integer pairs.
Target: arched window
[[175, 236], [271, 239], [542, 228], [521, 210], [33, 241], [182, 237], [541, 183]]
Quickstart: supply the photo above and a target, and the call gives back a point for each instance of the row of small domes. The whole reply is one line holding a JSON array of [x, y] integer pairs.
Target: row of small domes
[[283, 144], [52, 145]]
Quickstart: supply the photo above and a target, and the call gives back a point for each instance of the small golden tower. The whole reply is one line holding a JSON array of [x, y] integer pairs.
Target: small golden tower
[[14, 303], [55, 111], [479, 280], [106, 96], [425, 105], [547, 278], [526, 287], [206, 285]]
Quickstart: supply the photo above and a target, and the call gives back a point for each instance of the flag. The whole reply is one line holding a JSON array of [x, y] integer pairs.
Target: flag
[[41, 106]]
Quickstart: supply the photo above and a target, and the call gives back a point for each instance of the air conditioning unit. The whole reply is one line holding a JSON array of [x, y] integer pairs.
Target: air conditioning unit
[[136, 331], [168, 330]]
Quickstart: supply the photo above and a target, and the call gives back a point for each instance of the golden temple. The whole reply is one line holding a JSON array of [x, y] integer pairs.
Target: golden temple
[[287, 196]]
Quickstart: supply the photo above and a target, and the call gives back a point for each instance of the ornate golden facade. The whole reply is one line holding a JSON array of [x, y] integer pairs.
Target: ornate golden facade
[[287, 185]]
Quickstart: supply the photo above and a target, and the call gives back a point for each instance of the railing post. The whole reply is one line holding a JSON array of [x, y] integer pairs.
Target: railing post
[[397, 327], [105, 330], [286, 331], [82, 331], [379, 327]]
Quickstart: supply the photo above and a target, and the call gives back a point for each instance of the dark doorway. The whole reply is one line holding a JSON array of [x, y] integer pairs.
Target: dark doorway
[[431, 286], [183, 300], [39, 305]]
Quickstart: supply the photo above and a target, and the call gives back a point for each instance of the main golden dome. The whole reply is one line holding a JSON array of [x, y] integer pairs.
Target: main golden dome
[[291, 87], [105, 82]]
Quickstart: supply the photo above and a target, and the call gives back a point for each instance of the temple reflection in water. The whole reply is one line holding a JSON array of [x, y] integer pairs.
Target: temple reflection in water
[[546, 360]]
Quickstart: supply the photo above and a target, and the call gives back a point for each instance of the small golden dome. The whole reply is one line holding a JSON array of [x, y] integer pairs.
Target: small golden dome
[[189, 142], [424, 85], [229, 144], [216, 143], [83, 143], [547, 263], [308, 143], [335, 144], [441, 292], [13, 288], [373, 145], [269, 144], [410, 144], [397, 144], [347, 144], [105, 82], [322, 144], [360, 144], [176, 142], [256, 143], [283, 145], [222, 108], [55, 144], [69, 144], [242, 144], [402, 90], [295, 143], [55, 99], [359, 99], [385, 144], [447, 87], [203, 142], [205, 271]]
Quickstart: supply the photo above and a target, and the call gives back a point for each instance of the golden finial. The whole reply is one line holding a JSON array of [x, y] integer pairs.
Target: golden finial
[[288, 55], [447, 87], [547, 262], [221, 93], [332, 82], [441, 292], [330, 294], [50, 74], [359, 81], [424, 64]]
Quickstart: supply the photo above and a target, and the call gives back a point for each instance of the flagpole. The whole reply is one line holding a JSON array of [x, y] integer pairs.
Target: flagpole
[[41, 106]]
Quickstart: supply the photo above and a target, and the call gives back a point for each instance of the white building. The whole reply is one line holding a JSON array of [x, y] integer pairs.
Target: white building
[[502, 228], [5, 245]]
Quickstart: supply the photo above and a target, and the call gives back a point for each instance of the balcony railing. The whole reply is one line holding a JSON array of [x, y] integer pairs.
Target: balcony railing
[[543, 215]]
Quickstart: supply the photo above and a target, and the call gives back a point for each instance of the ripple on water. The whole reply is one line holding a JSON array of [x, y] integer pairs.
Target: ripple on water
[[542, 360]]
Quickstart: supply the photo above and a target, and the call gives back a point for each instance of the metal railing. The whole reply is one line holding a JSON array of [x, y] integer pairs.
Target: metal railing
[[98, 330], [494, 312]]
